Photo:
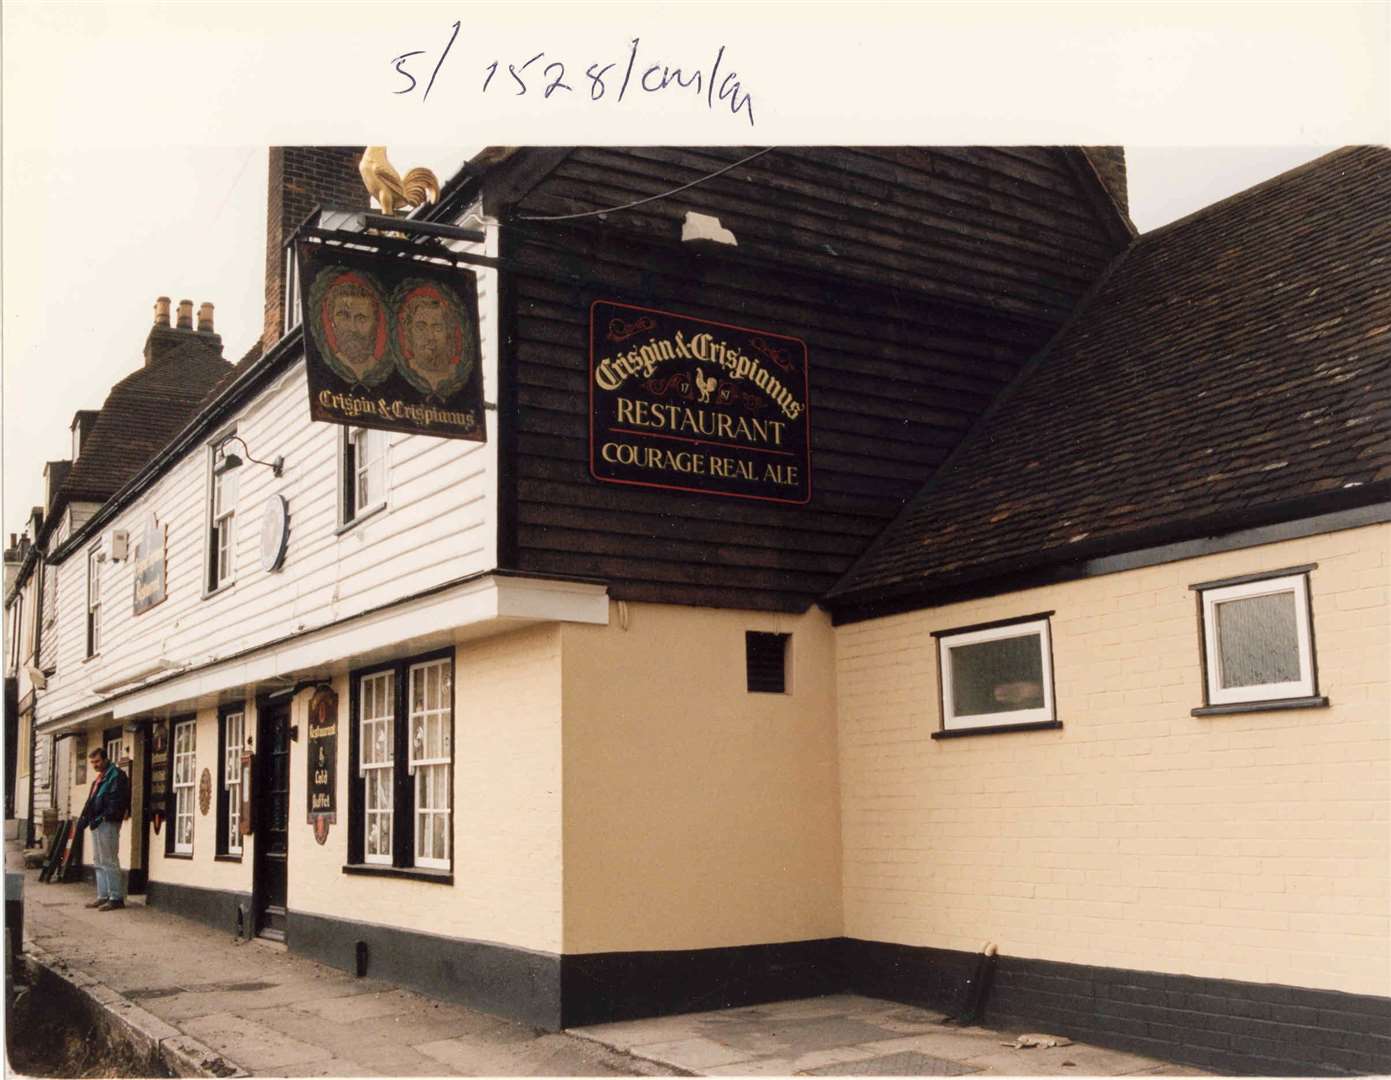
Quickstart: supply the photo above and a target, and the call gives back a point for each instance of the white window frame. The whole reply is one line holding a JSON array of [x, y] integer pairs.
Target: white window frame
[[355, 468], [113, 748], [422, 766], [184, 775], [233, 723], [223, 493], [385, 693], [1302, 687], [948, 640], [94, 600]]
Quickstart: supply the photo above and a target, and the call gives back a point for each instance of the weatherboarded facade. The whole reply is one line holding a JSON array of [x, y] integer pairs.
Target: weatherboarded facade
[[629, 709]]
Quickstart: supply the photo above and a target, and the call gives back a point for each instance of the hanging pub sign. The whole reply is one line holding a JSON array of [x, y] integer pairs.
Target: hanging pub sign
[[323, 762], [391, 343], [159, 771], [691, 405], [149, 564]]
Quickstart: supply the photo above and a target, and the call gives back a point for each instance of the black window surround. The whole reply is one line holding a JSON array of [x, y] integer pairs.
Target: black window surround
[[1273, 697], [1040, 717], [403, 784]]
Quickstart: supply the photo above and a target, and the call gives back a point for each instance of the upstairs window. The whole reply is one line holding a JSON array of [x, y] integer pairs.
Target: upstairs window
[[222, 518], [1258, 645], [364, 472], [997, 676], [93, 602]]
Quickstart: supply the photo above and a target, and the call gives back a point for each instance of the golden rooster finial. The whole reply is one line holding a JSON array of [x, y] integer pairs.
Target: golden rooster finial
[[393, 191]]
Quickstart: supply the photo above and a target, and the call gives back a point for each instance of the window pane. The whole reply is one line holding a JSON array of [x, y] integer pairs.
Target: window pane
[[1257, 640], [999, 676]]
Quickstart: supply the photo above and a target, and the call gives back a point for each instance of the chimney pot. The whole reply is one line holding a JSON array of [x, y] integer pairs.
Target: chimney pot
[[185, 315], [162, 311], [205, 318]]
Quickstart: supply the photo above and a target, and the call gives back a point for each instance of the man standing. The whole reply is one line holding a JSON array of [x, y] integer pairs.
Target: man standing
[[107, 806]]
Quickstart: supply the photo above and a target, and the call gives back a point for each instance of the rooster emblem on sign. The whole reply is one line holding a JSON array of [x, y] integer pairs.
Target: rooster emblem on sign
[[705, 385], [392, 190]]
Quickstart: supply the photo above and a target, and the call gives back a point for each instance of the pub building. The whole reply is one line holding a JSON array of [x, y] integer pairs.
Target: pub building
[[646, 580]]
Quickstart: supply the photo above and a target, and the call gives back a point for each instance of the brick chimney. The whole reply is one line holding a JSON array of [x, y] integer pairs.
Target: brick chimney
[[164, 339], [14, 558], [301, 178]]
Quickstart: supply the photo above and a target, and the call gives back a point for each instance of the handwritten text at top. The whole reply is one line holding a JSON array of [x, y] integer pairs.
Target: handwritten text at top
[[550, 75]]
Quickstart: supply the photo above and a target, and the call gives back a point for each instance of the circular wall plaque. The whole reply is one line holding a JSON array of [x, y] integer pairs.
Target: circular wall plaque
[[205, 792], [275, 532]]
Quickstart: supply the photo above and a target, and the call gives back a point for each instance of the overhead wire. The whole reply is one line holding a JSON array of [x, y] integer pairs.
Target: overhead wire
[[650, 198]]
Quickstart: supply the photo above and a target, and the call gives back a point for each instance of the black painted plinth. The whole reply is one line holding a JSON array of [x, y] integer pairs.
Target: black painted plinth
[[602, 987], [515, 983], [218, 908], [1217, 1024]]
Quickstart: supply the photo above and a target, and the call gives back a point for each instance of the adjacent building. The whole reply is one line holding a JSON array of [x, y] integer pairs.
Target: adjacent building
[[801, 465]]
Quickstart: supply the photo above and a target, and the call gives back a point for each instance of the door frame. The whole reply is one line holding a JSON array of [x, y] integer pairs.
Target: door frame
[[260, 790]]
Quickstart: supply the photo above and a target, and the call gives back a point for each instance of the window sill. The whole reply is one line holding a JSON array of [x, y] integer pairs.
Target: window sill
[[411, 873], [209, 593], [226, 858], [1275, 705], [179, 855], [997, 729], [370, 512]]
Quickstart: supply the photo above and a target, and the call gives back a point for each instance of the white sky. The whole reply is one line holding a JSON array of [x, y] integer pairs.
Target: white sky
[[135, 134]]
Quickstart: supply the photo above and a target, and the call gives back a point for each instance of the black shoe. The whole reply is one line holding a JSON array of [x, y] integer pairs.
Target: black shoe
[[97, 902], [112, 905]]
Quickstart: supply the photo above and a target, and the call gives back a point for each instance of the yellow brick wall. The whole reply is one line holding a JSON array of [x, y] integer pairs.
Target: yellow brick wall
[[1253, 847], [697, 814]]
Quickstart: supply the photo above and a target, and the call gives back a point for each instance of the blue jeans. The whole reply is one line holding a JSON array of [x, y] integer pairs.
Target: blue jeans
[[105, 838]]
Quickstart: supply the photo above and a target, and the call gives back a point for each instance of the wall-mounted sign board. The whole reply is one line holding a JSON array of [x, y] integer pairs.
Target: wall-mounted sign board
[[391, 343], [688, 404], [150, 563]]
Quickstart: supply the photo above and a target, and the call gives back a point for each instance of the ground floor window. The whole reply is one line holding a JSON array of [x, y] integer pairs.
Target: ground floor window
[[184, 777], [1258, 640], [997, 675], [231, 741], [401, 746]]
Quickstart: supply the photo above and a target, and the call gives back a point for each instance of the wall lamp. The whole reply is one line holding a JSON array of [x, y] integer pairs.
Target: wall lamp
[[229, 461]]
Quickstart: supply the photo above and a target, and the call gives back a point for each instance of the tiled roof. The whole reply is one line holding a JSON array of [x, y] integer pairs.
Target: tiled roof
[[1231, 363], [143, 412]]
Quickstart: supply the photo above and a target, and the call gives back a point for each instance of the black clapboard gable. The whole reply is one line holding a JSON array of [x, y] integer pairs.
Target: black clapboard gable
[[920, 281]]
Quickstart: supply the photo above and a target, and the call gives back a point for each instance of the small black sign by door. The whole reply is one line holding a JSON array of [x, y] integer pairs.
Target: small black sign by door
[[692, 405], [323, 762], [159, 773], [272, 794]]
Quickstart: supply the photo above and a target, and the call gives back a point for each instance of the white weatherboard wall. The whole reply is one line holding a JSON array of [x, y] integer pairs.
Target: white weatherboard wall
[[439, 524], [1253, 846]]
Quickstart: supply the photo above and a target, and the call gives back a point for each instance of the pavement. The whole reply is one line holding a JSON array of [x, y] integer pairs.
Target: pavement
[[219, 1006]]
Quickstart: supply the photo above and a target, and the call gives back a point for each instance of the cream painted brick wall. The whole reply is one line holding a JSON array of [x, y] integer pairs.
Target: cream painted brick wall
[[1253, 846], [507, 811]]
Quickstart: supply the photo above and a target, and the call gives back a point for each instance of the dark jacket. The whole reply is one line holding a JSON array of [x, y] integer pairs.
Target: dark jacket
[[109, 801]]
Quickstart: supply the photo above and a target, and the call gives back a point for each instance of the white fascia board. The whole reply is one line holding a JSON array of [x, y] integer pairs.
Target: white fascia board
[[482, 607]]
